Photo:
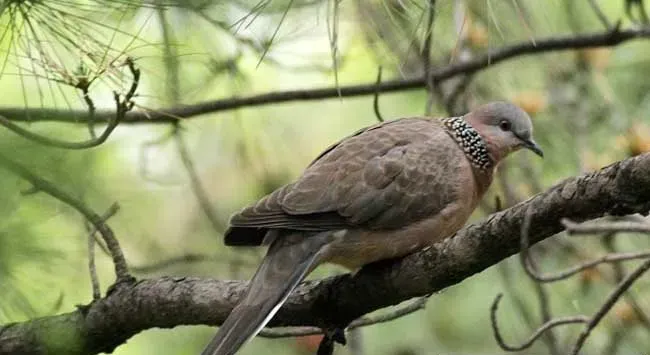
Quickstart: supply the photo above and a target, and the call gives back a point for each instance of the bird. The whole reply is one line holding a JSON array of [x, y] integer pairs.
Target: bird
[[383, 192]]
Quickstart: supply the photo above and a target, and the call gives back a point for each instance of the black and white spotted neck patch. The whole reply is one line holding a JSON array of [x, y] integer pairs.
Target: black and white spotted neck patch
[[469, 140]]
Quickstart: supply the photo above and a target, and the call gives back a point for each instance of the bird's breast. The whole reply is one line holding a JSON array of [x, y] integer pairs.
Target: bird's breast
[[354, 248]]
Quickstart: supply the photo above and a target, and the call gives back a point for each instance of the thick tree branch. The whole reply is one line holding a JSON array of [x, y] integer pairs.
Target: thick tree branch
[[608, 38], [622, 188]]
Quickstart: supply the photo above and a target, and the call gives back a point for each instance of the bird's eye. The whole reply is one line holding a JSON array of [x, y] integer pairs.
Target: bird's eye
[[504, 125]]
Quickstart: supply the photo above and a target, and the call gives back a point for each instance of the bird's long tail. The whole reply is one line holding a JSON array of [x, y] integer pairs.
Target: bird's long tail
[[288, 261]]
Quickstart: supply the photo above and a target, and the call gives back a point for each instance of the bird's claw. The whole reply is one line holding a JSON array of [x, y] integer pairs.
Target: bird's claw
[[336, 335]]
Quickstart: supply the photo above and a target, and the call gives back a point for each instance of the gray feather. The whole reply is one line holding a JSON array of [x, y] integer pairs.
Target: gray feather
[[288, 261]]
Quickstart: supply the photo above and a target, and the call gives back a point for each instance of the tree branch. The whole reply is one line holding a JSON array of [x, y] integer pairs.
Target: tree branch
[[548, 325], [607, 38], [619, 189], [98, 222], [122, 107]]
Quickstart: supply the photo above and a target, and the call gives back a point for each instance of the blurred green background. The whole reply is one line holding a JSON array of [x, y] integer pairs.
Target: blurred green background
[[589, 109]]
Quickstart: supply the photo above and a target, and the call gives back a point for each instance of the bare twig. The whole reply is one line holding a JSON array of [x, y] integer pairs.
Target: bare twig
[[542, 295], [538, 333], [609, 38], [84, 86], [609, 227], [545, 310], [121, 269], [412, 307], [122, 108], [528, 263], [608, 243], [608, 304], [53, 142], [507, 278], [531, 268], [94, 280], [607, 258], [375, 101], [639, 6]]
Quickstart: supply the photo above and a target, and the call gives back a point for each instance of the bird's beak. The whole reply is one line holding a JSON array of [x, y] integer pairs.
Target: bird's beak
[[534, 147]]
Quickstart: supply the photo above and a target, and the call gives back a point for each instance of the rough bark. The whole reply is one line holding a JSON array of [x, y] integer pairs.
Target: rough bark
[[621, 188]]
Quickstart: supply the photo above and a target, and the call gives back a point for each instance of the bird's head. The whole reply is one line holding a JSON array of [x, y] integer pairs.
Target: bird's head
[[504, 127]]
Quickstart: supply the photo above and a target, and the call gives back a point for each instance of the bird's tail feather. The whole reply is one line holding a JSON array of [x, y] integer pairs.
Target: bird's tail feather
[[288, 261]]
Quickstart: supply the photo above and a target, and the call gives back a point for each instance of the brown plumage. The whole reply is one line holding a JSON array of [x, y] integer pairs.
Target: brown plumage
[[384, 192]]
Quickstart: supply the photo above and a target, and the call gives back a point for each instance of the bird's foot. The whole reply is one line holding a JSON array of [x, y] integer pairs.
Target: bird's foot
[[335, 335]]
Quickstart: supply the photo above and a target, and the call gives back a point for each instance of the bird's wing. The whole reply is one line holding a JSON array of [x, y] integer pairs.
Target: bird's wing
[[384, 177]]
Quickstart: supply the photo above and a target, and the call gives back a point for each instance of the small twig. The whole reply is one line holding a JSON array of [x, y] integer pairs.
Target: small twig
[[608, 243], [92, 239], [112, 211], [375, 101], [94, 280], [84, 86], [539, 332], [607, 258], [98, 239], [609, 227], [289, 332], [638, 4], [545, 311], [53, 142], [414, 306], [600, 14], [531, 269], [122, 108], [608, 304], [528, 263], [121, 269]]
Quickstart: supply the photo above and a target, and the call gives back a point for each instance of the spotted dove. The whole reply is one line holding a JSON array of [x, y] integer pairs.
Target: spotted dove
[[384, 192]]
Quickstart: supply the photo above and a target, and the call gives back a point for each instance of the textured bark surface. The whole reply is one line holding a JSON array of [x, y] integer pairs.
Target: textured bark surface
[[621, 188]]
